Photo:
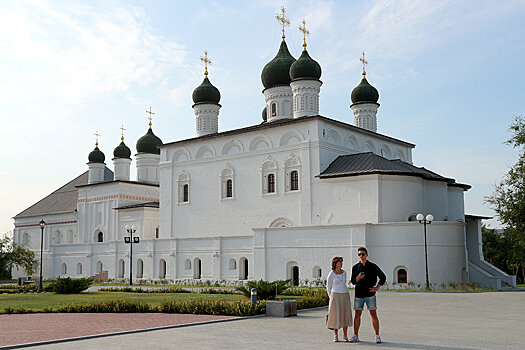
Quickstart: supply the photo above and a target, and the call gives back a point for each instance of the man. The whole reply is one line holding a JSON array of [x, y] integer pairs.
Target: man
[[364, 276]]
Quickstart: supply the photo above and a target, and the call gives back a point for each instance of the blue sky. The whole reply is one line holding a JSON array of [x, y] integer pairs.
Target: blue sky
[[449, 73]]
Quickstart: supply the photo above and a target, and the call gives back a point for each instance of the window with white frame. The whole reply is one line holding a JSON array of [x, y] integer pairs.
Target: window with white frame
[[269, 176], [292, 168], [183, 182], [227, 182]]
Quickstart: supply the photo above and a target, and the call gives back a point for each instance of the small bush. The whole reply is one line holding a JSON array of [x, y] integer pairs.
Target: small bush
[[217, 291], [212, 307], [70, 285], [265, 290], [316, 299]]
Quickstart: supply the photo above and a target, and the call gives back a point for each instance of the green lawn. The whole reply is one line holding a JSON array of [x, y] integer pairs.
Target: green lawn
[[37, 301]]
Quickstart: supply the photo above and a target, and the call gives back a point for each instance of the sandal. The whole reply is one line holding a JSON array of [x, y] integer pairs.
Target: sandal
[[345, 338], [336, 339]]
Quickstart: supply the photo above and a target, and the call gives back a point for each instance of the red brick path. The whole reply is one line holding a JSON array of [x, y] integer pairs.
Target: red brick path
[[29, 328]]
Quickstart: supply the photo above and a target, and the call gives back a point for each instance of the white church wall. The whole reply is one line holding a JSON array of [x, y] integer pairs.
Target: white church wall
[[401, 196], [456, 204]]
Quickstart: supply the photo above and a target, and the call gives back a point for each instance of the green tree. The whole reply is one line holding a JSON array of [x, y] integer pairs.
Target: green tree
[[508, 200], [13, 254]]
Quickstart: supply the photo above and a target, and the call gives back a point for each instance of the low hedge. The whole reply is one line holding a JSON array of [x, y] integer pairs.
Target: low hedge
[[140, 290]]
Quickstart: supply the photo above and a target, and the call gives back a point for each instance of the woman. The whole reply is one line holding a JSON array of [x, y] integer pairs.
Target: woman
[[339, 308]]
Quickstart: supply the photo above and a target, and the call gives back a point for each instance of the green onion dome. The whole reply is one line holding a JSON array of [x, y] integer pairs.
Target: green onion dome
[[364, 93], [96, 156], [277, 71], [122, 151], [206, 93], [264, 115], [148, 143], [305, 68]]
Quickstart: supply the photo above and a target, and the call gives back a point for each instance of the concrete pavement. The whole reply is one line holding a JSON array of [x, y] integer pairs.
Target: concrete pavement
[[437, 321]]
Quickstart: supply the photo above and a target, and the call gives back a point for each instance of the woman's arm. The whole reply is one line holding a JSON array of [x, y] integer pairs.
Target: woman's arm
[[329, 281]]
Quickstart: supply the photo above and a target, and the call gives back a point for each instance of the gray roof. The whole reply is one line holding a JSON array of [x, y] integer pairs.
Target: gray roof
[[63, 200], [371, 163]]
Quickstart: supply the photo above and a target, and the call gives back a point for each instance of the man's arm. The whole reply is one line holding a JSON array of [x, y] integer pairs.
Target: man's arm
[[382, 280]]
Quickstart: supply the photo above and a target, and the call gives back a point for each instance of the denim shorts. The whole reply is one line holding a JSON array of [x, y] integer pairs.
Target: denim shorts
[[370, 302]]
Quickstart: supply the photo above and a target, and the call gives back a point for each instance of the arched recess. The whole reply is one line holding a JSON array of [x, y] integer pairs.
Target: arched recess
[[232, 146], [181, 154], [205, 151], [351, 143], [412, 217], [292, 172], [69, 236], [140, 268], [64, 269], [260, 142], [291, 137], [400, 274], [370, 147], [187, 264], [121, 268], [333, 137], [99, 267], [385, 152], [292, 272], [162, 269], [269, 167], [197, 269], [243, 268], [399, 154], [281, 222], [25, 239], [232, 264], [227, 181], [56, 237], [316, 272], [79, 269]]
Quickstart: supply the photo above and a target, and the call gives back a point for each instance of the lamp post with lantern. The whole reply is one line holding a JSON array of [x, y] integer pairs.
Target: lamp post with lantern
[[42, 226], [425, 220], [131, 240]]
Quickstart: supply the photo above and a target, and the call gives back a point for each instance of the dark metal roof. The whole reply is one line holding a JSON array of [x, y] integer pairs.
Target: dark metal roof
[[123, 181], [288, 121], [63, 200], [371, 163], [140, 205], [469, 216]]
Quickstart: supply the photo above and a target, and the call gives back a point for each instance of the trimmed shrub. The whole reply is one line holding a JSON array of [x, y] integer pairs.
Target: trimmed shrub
[[265, 290], [140, 290], [218, 291], [70, 285], [212, 307]]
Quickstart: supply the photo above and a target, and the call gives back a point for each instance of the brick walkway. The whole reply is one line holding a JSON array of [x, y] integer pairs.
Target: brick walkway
[[29, 328]]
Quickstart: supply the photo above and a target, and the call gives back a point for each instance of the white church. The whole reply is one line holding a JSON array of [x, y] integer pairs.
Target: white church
[[275, 200]]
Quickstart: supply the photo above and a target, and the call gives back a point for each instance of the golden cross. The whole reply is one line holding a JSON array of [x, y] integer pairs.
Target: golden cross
[[122, 128], [283, 19], [206, 61], [362, 59], [305, 33], [96, 140], [150, 116]]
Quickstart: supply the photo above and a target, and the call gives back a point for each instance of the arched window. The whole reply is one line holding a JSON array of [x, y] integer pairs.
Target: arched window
[[229, 188], [412, 217], [187, 264], [25, 239], [79, 269], [99, 267], [243, 268], [271, 183], [401, 276], [69, 236], [316, 272], [64, 269], [157, 232], [121, 267], [56, 237], [294, 180], [233, 264], [274, 109], [100, 237], [186, 193]]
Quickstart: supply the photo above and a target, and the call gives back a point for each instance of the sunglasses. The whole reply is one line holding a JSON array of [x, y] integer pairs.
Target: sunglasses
[[361, 254]]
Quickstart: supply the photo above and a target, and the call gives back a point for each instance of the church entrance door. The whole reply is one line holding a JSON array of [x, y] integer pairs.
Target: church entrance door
[[197, 268]]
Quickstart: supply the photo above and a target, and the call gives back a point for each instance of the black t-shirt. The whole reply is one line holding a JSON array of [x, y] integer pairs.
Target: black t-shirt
[[372, 273]]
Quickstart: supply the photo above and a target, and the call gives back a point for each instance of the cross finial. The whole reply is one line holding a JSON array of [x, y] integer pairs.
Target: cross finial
[[206, 61], [282, 18], [362, 59], [96, 138], [122, 129], [150, 116], [305, 33]]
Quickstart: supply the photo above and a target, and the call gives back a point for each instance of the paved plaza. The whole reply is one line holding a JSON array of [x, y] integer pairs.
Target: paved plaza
[[437, 321]]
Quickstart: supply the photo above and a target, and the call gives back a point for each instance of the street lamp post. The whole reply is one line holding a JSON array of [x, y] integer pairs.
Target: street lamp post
[[428, 220], [42, 225], [131, 240]]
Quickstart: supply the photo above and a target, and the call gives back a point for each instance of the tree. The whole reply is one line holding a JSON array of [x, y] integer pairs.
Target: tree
[[13, 254], [508, 200]]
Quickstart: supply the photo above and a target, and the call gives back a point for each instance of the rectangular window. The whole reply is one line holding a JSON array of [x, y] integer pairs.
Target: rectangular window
[[271, 183], [229, 188], [185, 194], [294, 181]]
